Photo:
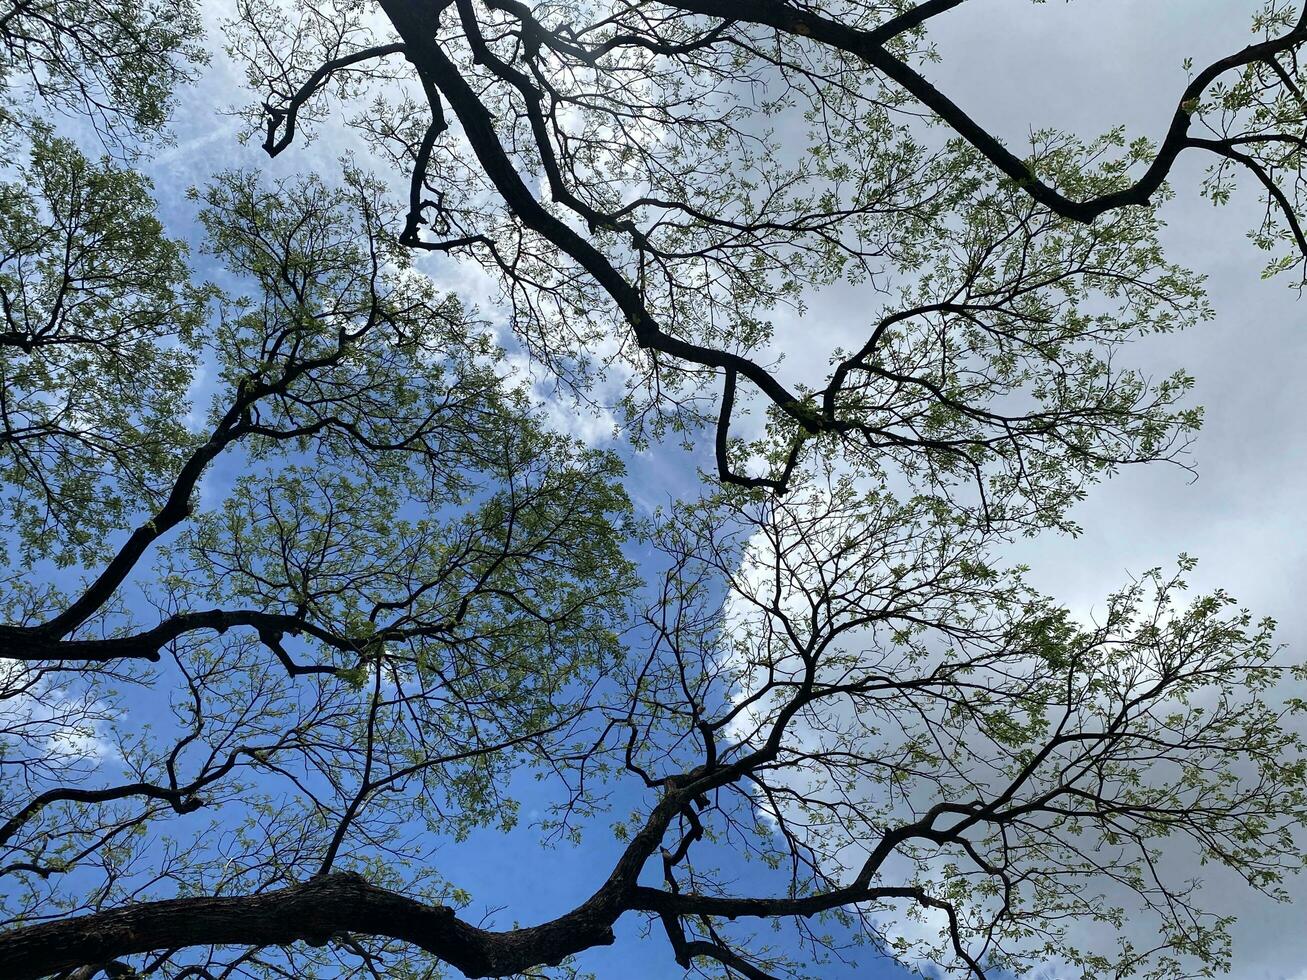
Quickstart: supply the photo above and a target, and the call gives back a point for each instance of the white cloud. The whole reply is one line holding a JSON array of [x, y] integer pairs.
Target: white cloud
[[52, 729]]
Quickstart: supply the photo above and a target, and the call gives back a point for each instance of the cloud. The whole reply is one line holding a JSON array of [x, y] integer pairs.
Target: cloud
[[59, 730]]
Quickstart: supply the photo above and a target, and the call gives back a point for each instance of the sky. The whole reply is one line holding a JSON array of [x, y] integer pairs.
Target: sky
[[1083, 67]]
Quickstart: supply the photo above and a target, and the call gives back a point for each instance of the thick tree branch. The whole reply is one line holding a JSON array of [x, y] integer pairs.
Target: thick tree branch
[[21, 644], [312, 912]]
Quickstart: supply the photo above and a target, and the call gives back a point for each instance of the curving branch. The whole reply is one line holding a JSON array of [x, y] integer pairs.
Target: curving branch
[[284, 117], [313, 912], [868, 44], [317, 910]]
